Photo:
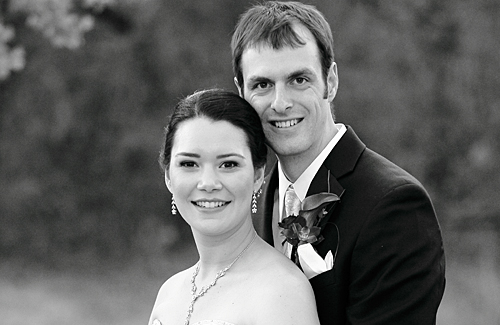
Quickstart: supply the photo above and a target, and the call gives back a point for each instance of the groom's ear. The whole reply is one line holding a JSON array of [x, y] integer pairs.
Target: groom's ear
[[238, 86], [332, 83]]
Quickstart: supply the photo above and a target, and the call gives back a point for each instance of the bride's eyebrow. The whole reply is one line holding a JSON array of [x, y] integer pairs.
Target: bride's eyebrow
[[187, 154], [195, 155], [229, 155]]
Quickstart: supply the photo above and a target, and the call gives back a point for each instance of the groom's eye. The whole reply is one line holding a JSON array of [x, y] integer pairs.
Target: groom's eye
[[300, 80], [261, 85]]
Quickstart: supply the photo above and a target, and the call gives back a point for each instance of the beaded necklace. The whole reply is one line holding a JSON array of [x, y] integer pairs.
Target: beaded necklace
[[203, 290]]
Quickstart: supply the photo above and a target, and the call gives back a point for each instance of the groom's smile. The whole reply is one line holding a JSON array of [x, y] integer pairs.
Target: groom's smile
[[286, 124], [286, 87]]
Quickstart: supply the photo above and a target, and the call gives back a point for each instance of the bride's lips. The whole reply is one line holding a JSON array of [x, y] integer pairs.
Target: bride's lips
[[210, 204]]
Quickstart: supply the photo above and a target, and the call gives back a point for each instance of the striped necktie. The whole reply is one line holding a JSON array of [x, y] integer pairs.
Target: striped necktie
[[292, 202], [292, 207]]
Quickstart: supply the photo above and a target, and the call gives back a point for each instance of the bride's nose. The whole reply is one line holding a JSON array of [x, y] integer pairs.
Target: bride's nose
[[209, 180]]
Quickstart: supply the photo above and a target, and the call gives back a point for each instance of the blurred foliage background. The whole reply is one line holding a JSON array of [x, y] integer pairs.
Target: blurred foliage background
[[86, 86]]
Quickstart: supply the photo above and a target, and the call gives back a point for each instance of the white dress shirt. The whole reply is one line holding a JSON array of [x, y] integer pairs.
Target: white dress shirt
[[302, 183]]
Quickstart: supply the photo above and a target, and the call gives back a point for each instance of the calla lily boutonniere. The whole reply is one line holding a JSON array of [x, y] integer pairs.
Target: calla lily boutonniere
[[304, 229]]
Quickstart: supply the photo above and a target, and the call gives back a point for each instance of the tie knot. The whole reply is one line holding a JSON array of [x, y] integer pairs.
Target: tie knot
[[292, 202]]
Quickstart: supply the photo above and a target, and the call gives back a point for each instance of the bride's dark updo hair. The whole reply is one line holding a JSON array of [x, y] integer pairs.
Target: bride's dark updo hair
[[217, 105]]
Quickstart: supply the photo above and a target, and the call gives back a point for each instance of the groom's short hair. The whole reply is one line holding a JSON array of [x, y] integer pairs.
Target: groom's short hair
[[271, 23]]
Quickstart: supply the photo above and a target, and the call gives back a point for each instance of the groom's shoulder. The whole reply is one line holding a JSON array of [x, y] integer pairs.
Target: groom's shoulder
[[383, 170], [352, 158]]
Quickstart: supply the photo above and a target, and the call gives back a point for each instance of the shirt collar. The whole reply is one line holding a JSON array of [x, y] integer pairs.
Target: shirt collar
[[302, 183]]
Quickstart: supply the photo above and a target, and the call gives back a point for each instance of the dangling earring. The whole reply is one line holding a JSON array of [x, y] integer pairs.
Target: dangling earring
[[254, 203], [254, 200], [174, 207]]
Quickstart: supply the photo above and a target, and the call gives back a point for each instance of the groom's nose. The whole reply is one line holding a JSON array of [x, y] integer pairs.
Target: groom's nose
[[281, 100]]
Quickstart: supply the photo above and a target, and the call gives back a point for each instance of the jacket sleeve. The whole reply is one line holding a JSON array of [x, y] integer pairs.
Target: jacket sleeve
[[397, 266]]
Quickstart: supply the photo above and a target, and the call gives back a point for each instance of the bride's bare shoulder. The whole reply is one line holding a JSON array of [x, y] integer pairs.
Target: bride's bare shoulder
[[174, 284], [280, 289], [275, 269]]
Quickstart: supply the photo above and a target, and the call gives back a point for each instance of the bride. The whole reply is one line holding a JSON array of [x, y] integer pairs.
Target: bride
[[214, 157]]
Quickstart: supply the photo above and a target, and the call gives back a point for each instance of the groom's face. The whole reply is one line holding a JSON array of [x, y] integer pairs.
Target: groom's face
[[287, 89]]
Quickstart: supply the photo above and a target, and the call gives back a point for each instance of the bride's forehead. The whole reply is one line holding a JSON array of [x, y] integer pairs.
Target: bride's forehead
[[205, 128], [208, 135]]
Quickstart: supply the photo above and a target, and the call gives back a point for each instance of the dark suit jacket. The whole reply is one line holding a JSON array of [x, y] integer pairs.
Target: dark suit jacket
[[389, 268]]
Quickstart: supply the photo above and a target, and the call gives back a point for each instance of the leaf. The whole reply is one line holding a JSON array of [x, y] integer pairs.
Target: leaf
[[302, 229], [289, 233], [301, 221], [319, 240], [312, 207], [287, 222], [314, 231], [310, 217], [296, 229], [317, 201], [311, 239]]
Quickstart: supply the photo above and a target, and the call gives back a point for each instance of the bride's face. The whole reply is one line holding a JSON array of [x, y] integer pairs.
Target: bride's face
[[211, 175]]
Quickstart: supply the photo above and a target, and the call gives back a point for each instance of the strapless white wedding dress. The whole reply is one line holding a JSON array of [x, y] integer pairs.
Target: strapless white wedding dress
[[203, 322], [213, 322]]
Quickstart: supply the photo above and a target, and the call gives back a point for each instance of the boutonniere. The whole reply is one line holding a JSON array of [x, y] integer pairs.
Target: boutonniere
[[303, 231]]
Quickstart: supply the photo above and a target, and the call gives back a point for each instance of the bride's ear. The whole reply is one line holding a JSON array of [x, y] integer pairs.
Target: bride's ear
[[167, 181], [258, 178]]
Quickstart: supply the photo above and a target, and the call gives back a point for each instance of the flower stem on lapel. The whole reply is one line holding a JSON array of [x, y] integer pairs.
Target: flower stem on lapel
[[303, 229]]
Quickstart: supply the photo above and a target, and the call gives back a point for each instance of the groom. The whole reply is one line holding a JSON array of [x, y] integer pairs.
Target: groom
[[385, 240]]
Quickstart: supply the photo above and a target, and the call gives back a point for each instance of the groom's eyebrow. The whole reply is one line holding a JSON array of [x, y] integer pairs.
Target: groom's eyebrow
[[294, 74], [258, 79], [300, 73]]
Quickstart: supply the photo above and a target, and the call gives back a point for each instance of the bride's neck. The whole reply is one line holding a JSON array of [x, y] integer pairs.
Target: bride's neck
[[218, 253]]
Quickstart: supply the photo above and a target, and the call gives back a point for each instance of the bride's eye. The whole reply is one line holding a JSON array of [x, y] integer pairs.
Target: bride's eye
[[187, 164], [229, 164]]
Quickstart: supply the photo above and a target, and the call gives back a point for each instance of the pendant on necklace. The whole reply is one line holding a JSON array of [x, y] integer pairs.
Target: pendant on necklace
[[203, 290]]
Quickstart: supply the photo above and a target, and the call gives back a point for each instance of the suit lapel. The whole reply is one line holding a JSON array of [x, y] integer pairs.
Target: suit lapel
[[325, 182], [341, 161], [263, 219], [346, 152]]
